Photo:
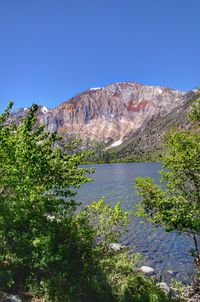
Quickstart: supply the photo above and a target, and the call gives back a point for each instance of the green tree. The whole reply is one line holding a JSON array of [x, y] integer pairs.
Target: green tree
[[175, 203], [49, 247], [38, 229]]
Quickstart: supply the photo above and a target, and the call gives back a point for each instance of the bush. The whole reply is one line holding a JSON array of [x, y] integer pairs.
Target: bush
[[49, 247]]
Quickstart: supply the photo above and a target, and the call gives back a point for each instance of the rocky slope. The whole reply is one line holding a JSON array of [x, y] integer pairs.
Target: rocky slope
[[111, 114], [147, 143]]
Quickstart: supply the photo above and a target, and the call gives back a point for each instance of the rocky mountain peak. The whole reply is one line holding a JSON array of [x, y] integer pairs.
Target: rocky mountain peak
[[111, 113]]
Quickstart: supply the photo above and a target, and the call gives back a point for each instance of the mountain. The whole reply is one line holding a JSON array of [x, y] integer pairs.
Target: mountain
[[147, 142], [111, 114], [122, 121]]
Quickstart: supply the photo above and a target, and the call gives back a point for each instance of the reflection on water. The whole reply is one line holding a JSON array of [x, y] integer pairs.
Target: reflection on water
[[165, 252]]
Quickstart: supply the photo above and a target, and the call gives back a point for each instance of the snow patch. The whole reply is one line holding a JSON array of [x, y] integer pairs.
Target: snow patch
[[115, 144], [160, 90], [44, 109], [95, 88]]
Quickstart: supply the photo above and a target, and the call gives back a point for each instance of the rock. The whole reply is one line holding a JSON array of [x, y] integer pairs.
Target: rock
[[112, 112], [147, 270], [116, 247], [171, 273], [16, 299], [164, 286], [10, 298]]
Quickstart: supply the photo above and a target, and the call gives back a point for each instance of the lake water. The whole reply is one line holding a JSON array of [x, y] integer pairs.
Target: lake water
[[165, 252]]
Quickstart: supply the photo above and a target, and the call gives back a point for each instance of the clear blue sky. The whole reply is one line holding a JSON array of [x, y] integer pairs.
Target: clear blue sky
[[52, 49]]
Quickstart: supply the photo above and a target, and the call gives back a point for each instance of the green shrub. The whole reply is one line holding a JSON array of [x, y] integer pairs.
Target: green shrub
[[49, 247]]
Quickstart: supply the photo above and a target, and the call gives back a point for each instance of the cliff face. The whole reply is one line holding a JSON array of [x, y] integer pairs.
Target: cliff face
[[146, 144], [111, 114]]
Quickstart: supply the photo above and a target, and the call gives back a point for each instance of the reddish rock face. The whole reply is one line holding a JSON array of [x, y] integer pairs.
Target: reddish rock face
[[113, 112], [136, 107]]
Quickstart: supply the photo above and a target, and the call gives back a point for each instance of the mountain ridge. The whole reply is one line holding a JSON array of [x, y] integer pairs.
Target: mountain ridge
[[110, 114], [147, 144]]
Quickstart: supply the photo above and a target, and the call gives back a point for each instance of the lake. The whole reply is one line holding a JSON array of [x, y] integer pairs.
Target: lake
[[167, 253]]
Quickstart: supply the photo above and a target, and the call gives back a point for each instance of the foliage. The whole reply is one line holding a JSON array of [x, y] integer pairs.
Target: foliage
[[176, 204], [49, 247], [126, 283], [177, 287], [195, 113], [38, 231], [108, 224], [116, 276], [98, 153]]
